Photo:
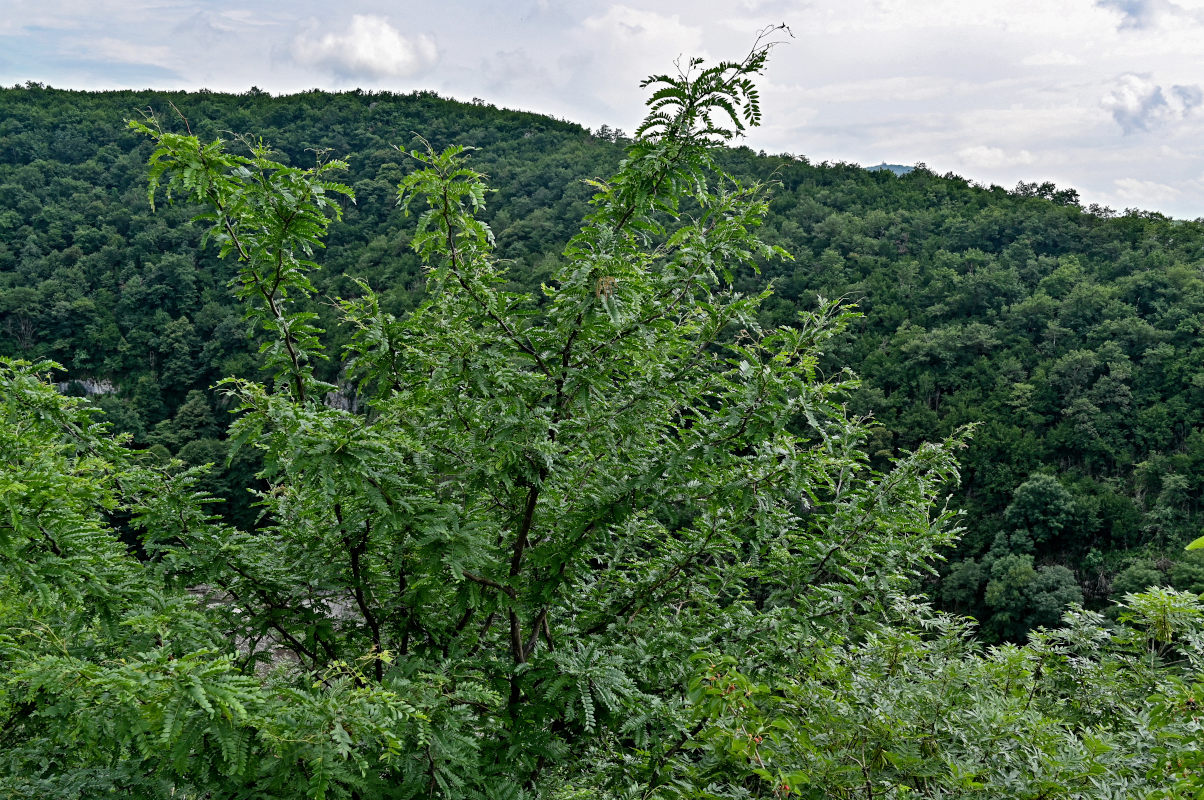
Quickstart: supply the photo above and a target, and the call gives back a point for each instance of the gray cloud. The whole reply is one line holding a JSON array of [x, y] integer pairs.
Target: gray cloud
[[1138, 104]]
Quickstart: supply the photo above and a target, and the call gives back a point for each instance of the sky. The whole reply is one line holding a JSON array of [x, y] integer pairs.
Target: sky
[[1103, 96]]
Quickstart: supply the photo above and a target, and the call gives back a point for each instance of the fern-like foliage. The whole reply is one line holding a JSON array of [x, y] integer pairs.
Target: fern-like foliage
[[623, 541], [272, 218], [707, 104]]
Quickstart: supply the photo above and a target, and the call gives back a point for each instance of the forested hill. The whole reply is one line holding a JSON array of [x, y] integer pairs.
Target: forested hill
[[1071, 335]]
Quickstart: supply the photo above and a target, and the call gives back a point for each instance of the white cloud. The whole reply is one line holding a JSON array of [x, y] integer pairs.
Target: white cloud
[[370, 47], [607, 54], [989, 157], [1051, 58], [77, 15], [1134, 192], [123, 52], [894, 87], [241, 18], [1134, 13], [1139, 15], [1018, 17], [637, 28], [1139, 104]]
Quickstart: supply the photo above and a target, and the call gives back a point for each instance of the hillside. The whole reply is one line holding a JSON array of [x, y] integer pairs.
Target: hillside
[[1071, 335]]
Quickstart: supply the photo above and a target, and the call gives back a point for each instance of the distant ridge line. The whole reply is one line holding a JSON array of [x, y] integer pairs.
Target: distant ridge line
[[898, 169]]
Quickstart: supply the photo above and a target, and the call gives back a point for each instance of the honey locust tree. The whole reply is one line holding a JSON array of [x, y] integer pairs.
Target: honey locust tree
[[491, 581]]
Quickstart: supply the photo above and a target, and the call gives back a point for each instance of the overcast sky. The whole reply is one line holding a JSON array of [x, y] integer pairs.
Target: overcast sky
[[1104, 96]]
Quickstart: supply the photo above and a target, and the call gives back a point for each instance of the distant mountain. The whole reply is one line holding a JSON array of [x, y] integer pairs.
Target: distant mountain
[[898, 169]]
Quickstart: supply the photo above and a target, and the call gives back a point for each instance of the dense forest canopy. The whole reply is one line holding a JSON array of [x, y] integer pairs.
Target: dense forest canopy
[[1071, 335], [544, 508]]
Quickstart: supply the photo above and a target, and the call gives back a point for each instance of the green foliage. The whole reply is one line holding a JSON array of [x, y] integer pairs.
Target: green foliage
[[622, 539], [1042, 507], [925, 711], [1070, 333], [271, 217], [1024, 597]]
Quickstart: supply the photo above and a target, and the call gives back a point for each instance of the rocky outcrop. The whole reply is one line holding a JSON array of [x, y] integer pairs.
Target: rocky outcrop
[[88, 387]]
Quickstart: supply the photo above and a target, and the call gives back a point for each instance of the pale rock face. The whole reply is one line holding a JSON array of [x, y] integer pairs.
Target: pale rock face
[[345, 399], [90, 386]]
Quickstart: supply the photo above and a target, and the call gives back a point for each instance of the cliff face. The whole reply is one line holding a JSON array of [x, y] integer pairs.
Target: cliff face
[[86, 387]]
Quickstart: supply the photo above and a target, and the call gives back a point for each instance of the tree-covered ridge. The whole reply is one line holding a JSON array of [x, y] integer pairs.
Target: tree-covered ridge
[[90, 278], [1069, 334]]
